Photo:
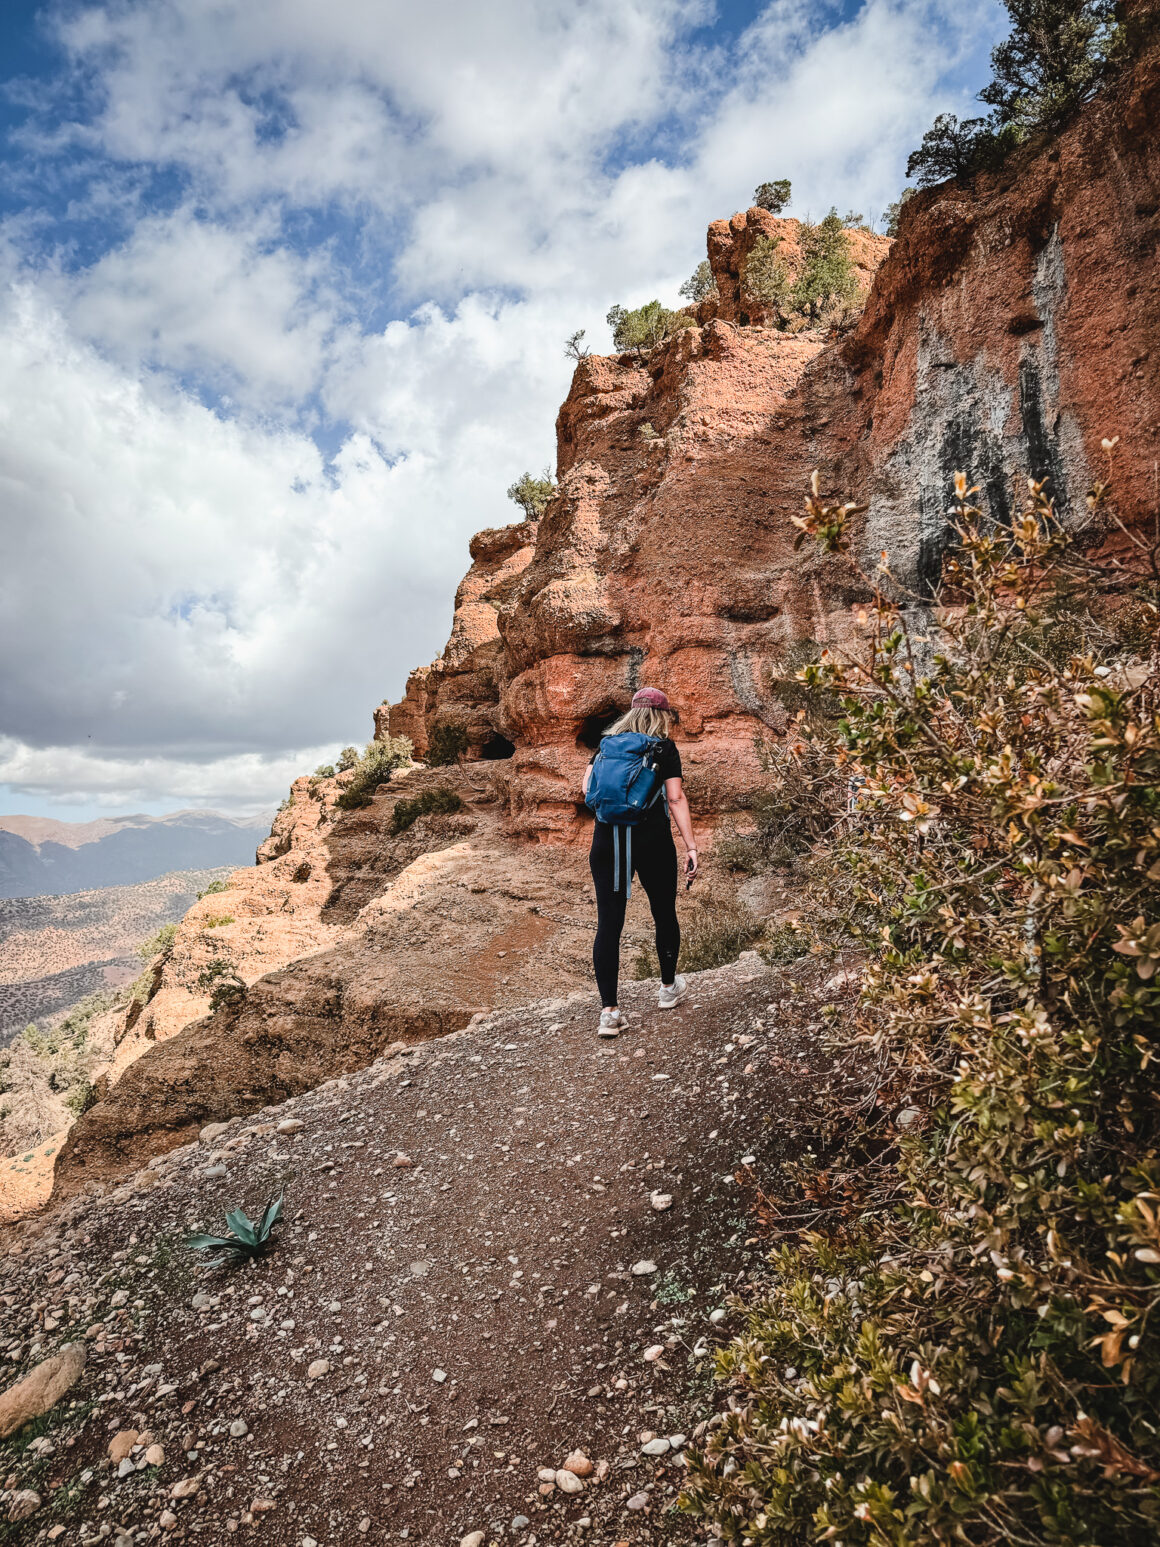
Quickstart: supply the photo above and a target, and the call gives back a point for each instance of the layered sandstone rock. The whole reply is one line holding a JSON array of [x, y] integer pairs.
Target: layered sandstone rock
[[462, 687], [408, 937], [1012, 326]]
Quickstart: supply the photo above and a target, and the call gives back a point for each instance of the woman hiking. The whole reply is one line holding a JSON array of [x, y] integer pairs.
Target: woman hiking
[[633, 785]]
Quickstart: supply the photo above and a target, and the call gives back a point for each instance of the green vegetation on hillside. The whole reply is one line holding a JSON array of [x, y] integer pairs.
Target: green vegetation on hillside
[[439, 799], [1057, 55], [958, 1340], [374, 766], [644, 328]]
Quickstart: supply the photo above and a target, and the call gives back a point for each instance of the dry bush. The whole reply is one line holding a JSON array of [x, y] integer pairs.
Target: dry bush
[[972, 1355]]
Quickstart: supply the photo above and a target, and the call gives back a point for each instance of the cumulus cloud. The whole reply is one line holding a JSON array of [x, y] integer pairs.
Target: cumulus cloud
[[314, 327]]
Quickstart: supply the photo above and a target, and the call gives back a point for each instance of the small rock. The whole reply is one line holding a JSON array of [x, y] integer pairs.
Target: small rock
[[579, 1463], [290, 1125], [212, 1131], [318, 1369], [155, 1456], [651, 1355], [201, 1301], [439, 1376], [908, 1117], [568, 1482], [643, 1268], [183, 1488], [717, 1316], [657, 1447], [239, 1428], [638, 1501], [119, 1299], [547, 1474], [520, 1522], [308, 1541], [678, 1441], [661, 1201], [402, 1160], [212, 1173], [472, 1539], [167, 1520], [364, 1524], [121, 1444], [24, 1502], [42, 1389], [126, 1467]]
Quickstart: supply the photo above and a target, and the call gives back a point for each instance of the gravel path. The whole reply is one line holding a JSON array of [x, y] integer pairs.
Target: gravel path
[[500, 1248]]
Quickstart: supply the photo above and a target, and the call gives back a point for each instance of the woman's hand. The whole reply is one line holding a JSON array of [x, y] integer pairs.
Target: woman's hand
[[691, 867]]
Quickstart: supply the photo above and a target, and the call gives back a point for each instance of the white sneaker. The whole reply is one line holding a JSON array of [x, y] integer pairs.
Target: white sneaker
[[611, 1023], [671, 994]]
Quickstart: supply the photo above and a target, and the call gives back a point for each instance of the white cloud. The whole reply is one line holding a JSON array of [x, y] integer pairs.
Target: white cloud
[[199, 591]]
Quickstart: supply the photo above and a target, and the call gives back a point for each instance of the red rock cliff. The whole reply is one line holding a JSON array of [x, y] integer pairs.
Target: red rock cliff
[[1011, 326]]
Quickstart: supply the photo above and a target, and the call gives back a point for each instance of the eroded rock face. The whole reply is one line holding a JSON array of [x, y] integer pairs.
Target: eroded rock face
[[1011, 327], [462, 687]]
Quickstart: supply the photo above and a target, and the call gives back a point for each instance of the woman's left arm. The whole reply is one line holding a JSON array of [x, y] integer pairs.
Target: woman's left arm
[[679, 811]]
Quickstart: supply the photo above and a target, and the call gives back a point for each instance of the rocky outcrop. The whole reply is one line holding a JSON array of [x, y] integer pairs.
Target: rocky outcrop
[[377, 939], [461, 688], [1011, 327]]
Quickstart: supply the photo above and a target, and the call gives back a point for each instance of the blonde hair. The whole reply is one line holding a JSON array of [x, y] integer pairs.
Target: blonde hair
[[644, 721]]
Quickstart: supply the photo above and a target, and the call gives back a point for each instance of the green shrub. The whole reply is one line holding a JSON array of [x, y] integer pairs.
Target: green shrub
[[80, 1098], [532, 495], [407, 812], [574, 346], [700, 284], [157, 943], [827, 280], [958, 1343], [646, 327], [347, 758], [323, 771], [446, 744], [212, 889], [221, 981], [374, 767], [1056, 56], [765, 276], [217, 920], [773, 196]]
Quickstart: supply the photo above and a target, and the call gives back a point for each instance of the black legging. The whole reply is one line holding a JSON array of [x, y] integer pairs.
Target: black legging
[[654, 858]]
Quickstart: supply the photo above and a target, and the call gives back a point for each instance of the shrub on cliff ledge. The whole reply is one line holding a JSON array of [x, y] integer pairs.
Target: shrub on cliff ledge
[[375, 766], [1056, 56], [646, 327], [407, 812], [532, 495], [446, 744], [962, 1344]]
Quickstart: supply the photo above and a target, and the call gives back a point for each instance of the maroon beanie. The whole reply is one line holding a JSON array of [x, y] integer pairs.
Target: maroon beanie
[[649, 698]]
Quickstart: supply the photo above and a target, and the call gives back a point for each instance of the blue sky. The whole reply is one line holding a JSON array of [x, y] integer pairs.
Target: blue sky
[[283, 289]]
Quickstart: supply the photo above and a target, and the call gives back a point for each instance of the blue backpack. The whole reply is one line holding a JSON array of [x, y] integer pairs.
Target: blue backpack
[[624, 786]]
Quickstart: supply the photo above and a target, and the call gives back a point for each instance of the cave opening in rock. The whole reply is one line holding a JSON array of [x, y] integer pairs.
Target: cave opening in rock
[[498, 748], [594, 727]]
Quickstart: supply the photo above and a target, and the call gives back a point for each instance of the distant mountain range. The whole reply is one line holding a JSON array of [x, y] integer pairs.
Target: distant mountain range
[[40, 857]]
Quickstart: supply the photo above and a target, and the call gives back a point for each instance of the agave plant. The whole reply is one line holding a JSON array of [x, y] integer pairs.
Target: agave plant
[[246, 1240]]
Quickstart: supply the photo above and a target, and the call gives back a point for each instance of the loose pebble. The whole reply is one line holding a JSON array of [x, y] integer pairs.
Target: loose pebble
[[643, 1268]]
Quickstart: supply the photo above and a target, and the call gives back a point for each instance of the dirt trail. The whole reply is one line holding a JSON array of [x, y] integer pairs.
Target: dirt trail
[[477, 1309]]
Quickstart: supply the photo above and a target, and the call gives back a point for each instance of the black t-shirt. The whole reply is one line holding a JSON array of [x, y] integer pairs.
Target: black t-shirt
[[669, 762]]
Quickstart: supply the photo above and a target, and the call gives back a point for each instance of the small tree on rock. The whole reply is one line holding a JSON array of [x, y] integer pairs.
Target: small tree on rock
[[532, 495], [644, 328], [700, 283], [772, 196], [827, 278]]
